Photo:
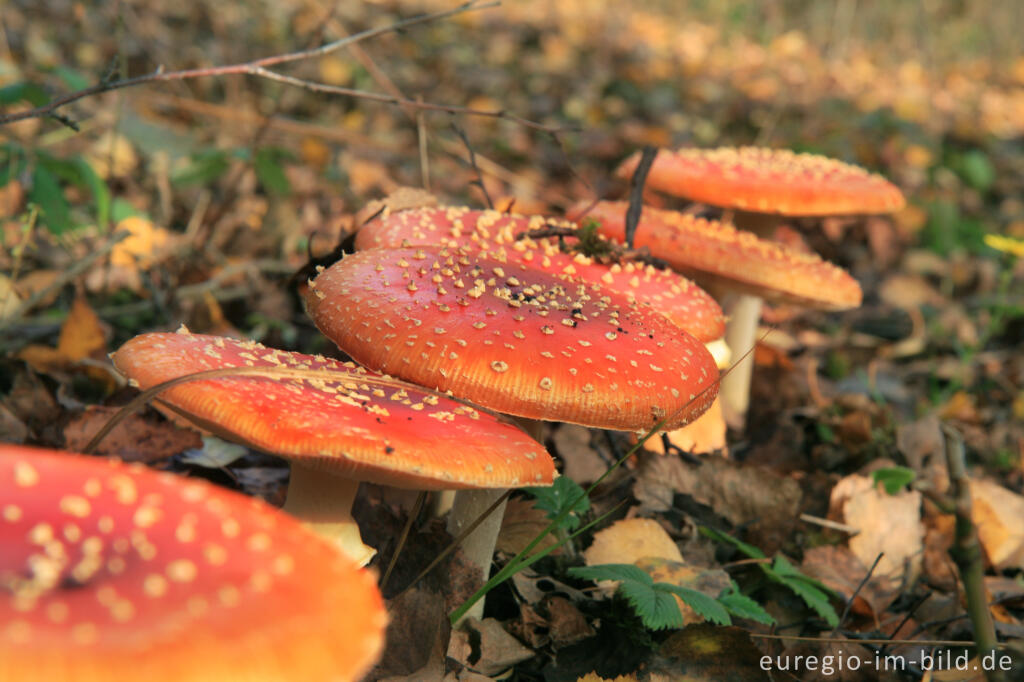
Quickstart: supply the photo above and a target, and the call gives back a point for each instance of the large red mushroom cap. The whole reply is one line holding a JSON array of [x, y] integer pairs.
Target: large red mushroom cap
[[776, 181], [718, 252], [497, 235], [524, 342], [110, 571], [336, 417]]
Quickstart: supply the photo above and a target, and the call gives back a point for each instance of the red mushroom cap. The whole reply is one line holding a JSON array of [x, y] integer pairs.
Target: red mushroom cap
[[342, 418], [527, 343], [712, 250], [495, 235], [776, 181], [111, 571]]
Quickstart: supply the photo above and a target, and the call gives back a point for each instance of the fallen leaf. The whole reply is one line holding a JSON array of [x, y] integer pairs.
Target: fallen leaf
[[214, 453], [839, 570], [494, 651], [581, 461], [703, 435], [81, 337], [136, 439], [889, 525], [566, 625], [112, 155], [521, 524], [997, 512], [629, 540], [9, 299], [755, 496], [709, 653], [417, 637]]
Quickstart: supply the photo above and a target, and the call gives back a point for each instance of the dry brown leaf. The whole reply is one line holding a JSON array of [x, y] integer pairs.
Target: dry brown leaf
[[889, 525], [837, 568], [520, 525], [594, 677], [112, 155], [629, 540], [136, 439], [81, 337], [9, 299], [565, 622], [703, 435], [11, 196], [709, 653], [998, 514], [498, 650]]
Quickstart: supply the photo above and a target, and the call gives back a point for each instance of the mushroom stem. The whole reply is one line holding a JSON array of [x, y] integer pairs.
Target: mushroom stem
[[323, 502], [478, 546], [740, 334]]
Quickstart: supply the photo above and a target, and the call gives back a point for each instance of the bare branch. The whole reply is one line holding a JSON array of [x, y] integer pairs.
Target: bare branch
[[259, 68]]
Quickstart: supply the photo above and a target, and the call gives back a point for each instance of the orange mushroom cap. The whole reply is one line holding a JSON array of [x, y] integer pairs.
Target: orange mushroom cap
[[495, 235], [524, 342], [341, 418], [718, 251], [112, 571], [777, 181]]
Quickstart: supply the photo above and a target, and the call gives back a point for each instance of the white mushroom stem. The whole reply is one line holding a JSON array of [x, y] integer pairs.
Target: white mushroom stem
[[478, 546], [740, 335], [323, 502], [468, 506]]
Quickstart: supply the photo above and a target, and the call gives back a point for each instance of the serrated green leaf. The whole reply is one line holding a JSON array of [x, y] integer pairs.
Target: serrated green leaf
[[813, 597], [554, 498], [271, 173], [623, 572], [657, 608], [749, 550], [706, 607], [893, 479], [742, 606], [47, 194], [205, 168]]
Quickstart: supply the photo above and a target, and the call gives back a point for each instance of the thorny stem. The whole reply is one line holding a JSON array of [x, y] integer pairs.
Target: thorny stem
[[259, 68]]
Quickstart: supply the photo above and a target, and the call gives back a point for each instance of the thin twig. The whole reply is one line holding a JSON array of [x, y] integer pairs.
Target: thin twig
[[853, 597], [472, 162], [828, 523], [403, 537], [260, 68], [636, 192]]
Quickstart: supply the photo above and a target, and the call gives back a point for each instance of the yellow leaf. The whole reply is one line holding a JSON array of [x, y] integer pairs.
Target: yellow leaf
[[1005, 244]]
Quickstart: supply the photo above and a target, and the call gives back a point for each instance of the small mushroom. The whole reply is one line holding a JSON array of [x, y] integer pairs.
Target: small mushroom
[[336, 423], [736, 261], [762, 184], [112, 571]]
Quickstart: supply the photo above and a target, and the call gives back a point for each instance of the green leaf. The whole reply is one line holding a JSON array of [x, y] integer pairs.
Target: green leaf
[[749, 550], [205, 168], [977, 170], [813, 597], [657, 608], [270, 172], [121, 209], [742, 606], [33, 93], [893, 479], [706, 607], [73, 79], [553, 499], [47, 194], [623, 572], [99, 190]]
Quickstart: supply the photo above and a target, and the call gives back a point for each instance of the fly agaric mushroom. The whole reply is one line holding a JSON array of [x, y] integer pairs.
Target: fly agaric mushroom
[[517, 340], [336, 423], [728, 259], [502, 237], [112, 571], [761, 184]]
